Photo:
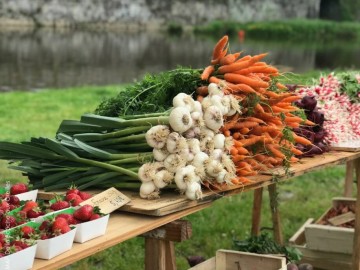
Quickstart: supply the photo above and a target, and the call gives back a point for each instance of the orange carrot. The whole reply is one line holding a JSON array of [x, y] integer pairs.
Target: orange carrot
[[234, 67], [242, 151], [281, 86], [238, 158], [291, 99], [273, 149], [237, 78], [257, 69], [240, 87], [244, 58], [257, 58], [219, 47], [227, 133], [202, 90], [301, 140], [213, 79], [236, 135], [228, 59], [207, 72], [246, 124], [234, 151], [250, 141], [244, 131]]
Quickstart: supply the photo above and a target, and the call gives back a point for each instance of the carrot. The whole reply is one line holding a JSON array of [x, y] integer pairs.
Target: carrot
[[245, 58], [271, 94], [234, 151], [242, 151], [257, 69], [294, 159], [213, 79], [296, 151], [227, 133], [240, 87], [259, 64], [219, 47], [234, 67], [236, 135], [244, 130], [228, 59], [237, 78], [250, 141], [202, 90], [259, 108], [238, 158], [301, 140], [199, 98], [255, 119], [276, 152], [281, 86], [257, 58], [207, 72], [291, 99], [246, 124]]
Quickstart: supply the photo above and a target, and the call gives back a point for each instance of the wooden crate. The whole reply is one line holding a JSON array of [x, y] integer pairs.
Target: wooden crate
[[330, 238], [235, 260], [319, 259]]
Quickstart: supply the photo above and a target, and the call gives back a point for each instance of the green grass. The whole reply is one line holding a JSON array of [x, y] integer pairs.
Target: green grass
[[287, 30], [25, 114]]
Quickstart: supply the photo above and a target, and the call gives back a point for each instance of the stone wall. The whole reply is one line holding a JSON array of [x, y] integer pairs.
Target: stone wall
[[149, 13]]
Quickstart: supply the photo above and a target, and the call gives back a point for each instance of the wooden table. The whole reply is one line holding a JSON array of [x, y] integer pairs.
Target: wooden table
[[148, 215]]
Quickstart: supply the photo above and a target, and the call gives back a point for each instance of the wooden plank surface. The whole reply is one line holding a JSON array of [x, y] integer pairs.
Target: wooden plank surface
[[356, 243], [121, 227], [171, 202]]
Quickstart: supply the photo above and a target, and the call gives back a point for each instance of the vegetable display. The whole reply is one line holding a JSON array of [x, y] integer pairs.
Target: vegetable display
[[240, 123], [340, 105]]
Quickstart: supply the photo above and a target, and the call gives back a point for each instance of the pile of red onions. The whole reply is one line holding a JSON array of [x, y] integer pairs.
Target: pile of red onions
[[342, 116]]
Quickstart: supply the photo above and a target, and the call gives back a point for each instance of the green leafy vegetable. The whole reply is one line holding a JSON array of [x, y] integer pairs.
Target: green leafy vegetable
[[350, 86], [264, 244], [154, 93]]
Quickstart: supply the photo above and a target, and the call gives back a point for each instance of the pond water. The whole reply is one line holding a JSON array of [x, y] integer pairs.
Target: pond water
[[31, 60]]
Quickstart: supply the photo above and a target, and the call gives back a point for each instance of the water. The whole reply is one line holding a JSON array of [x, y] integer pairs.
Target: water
[[31, 60]]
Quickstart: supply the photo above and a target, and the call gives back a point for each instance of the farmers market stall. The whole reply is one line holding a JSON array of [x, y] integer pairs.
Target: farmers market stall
[[174, 143], [140, 217]]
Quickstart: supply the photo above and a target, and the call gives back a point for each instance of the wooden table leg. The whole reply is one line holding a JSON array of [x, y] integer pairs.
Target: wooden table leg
[[356, 249], [256, 212], [159, 254], [159, 244], [349, 178], [275, 215]]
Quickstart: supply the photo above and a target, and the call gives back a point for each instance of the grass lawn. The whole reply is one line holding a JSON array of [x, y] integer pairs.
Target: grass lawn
[[25, 114]]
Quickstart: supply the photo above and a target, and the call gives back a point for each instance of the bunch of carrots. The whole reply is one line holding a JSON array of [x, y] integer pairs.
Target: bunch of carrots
[[262, 135]]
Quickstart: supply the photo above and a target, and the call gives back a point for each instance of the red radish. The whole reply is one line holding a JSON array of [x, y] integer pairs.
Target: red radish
[[18, 189]]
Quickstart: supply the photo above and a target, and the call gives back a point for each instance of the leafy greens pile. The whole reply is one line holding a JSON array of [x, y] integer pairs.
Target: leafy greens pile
[[264, 244], [154, 93]]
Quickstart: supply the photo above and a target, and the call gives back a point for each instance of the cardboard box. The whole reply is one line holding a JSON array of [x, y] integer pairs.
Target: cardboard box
[[330, 238], [50, 248], [235, 260], [24, 259], [319, 259]]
